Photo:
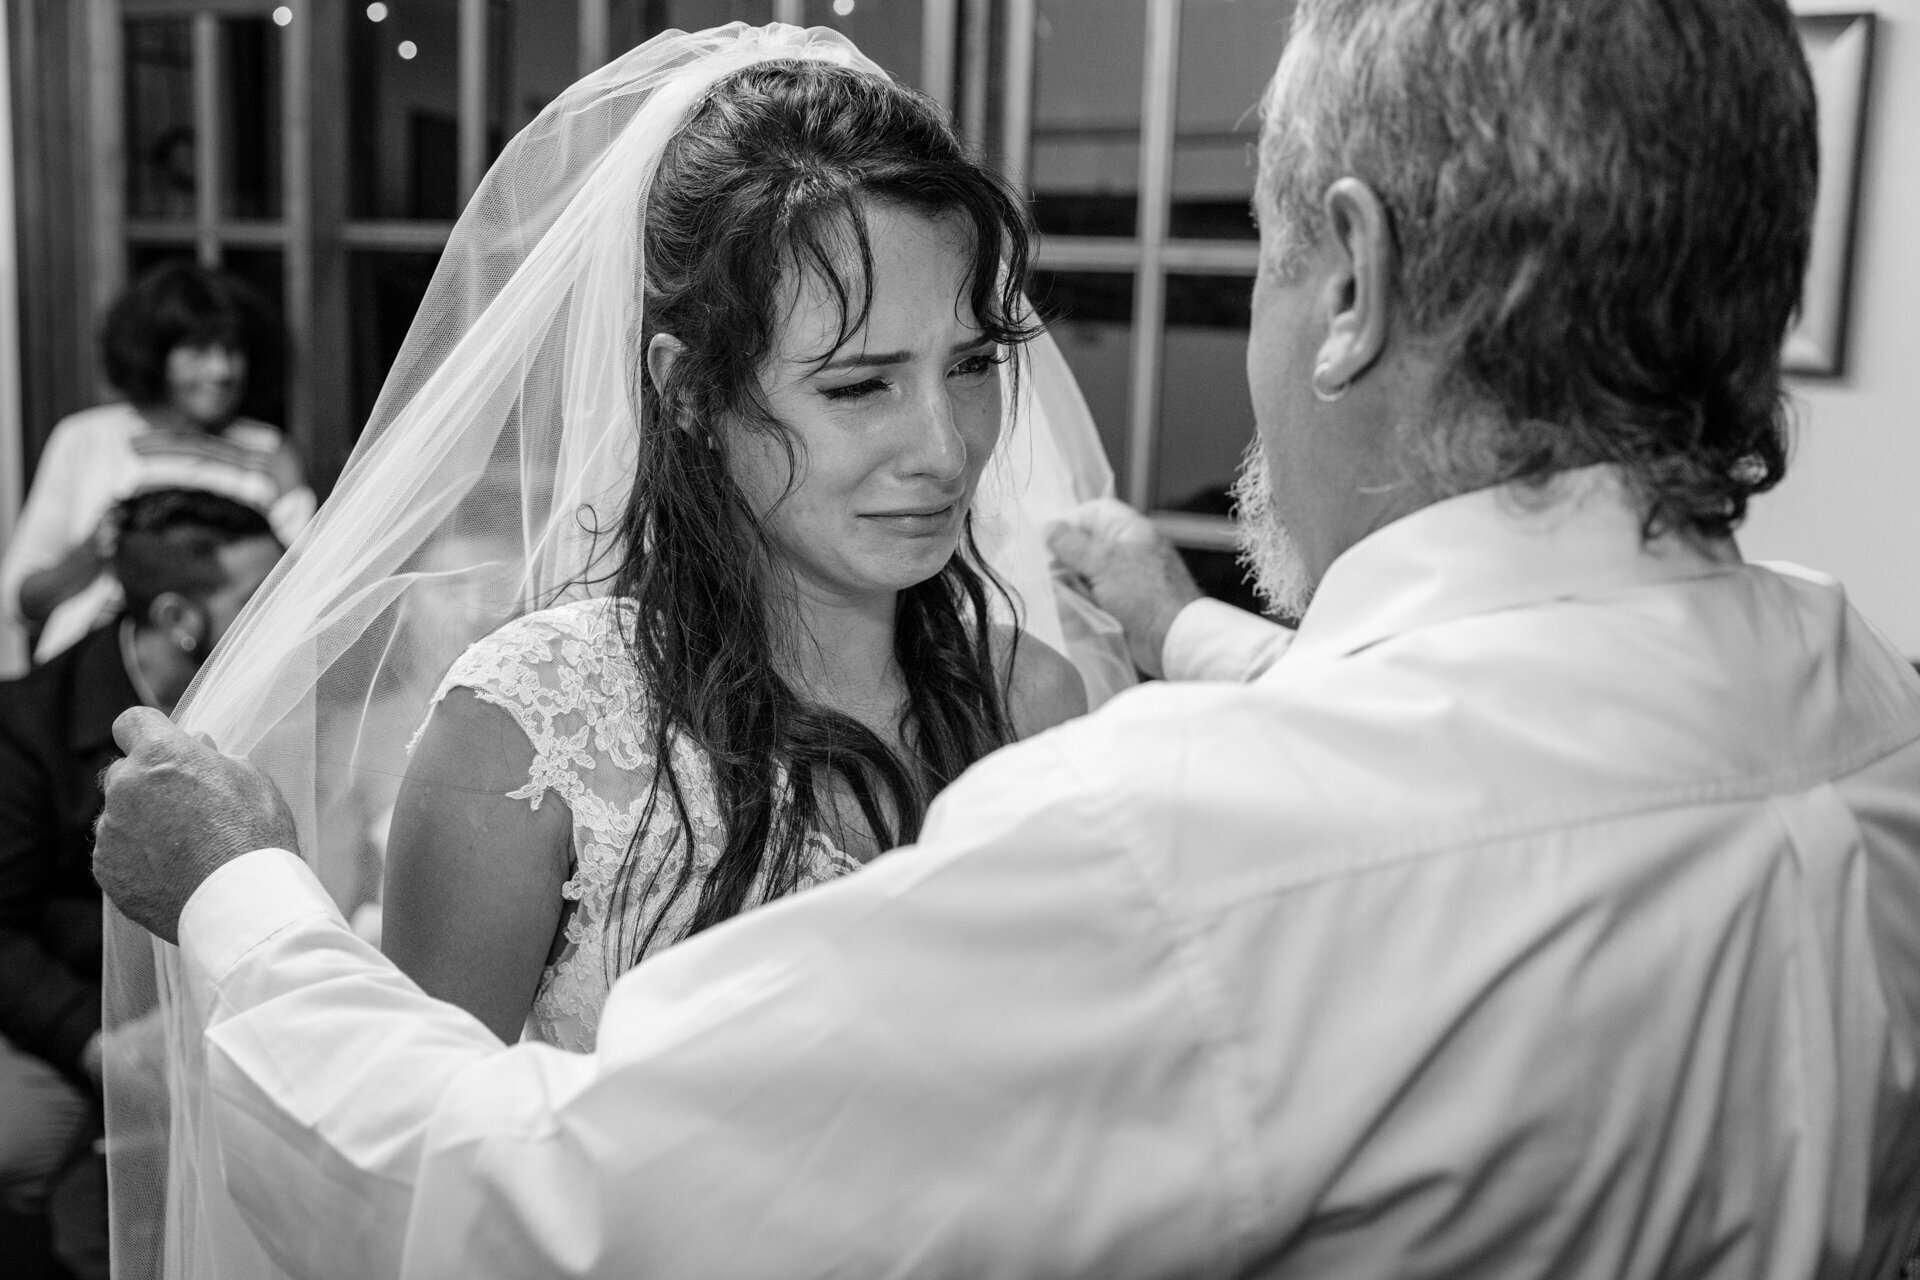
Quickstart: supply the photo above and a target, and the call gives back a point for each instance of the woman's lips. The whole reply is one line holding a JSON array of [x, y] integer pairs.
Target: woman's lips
[[923, 522]]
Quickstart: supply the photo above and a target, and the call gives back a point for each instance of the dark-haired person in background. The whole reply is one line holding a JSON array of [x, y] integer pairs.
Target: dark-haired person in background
[[176, 345], [189, 560]]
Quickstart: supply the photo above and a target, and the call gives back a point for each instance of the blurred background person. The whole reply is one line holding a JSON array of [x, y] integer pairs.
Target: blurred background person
[[189, 560], [176, 345]]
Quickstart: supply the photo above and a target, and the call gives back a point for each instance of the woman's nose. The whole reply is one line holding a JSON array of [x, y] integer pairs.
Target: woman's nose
[[222, 362], [935, 445]]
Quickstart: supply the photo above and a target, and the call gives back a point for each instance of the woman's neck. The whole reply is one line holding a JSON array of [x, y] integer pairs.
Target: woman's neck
[[164, 417], [841, 656]]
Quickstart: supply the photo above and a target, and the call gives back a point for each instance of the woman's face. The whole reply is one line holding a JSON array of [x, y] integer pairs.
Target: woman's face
[[892, 433], [204, 383]]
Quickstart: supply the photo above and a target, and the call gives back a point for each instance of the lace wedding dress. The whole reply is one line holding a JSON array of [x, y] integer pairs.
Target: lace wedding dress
[[566, 677], [503, 444]]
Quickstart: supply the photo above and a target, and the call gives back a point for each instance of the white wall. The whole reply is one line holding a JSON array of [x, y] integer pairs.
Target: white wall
[[13, 642], [1850, 505]]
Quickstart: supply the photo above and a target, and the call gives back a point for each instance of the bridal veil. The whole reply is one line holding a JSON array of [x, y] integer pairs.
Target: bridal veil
[[498, 457]]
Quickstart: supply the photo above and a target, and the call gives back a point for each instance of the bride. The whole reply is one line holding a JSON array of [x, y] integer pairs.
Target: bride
[[797, 652], [700, 522]]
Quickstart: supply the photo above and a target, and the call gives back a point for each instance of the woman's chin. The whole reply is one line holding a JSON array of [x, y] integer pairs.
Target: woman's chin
[[925, 563], [208, 412], [891, 574]]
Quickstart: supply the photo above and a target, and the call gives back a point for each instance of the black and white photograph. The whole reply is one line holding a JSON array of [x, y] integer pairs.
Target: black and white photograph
[[1108, 639]]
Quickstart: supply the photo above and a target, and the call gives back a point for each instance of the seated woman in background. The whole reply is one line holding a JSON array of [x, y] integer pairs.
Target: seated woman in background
[[175, 344]]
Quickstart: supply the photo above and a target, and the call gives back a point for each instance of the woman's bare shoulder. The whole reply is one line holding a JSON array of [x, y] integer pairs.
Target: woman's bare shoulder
[[1046, 689]]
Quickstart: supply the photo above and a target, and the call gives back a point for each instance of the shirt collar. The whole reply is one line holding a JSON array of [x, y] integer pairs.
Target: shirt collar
[[1495, 549], [102, 689]]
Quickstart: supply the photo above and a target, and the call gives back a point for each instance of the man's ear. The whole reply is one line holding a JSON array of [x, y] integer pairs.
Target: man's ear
[[181, 619], [662, 350], [1359, 290]]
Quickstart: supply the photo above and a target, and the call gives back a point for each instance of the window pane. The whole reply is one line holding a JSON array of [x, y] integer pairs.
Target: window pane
[[264, 271], [887, 31], [630, 22], [1206, 412], [1206, 417], [250, 118], [384, 289], [141, 257], [1090, 314], [534, 54], [1088, 60], [159, 124], [403, 110], [1228, 50]]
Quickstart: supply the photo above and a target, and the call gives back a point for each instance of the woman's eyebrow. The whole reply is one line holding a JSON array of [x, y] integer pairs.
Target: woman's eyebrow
[[868, 360]]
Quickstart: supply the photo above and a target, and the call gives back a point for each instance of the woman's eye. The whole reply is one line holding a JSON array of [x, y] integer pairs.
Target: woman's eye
[[974, 366], [854, 391]]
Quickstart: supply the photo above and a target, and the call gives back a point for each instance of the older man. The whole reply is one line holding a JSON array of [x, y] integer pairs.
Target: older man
[[1549, 906]]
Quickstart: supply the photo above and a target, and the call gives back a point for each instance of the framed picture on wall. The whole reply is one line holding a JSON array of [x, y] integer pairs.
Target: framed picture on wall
[[1840, 54]]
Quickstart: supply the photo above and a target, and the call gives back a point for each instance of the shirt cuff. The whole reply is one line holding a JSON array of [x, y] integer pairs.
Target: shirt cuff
[[1211, 640], [238, 907]]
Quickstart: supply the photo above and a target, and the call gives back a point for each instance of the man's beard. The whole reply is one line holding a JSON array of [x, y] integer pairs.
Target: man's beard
[[1267, 547]]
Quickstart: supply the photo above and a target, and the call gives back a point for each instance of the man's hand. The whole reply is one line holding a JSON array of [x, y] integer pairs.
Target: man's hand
[[177, 810], [93, 1061], [1129, 570]]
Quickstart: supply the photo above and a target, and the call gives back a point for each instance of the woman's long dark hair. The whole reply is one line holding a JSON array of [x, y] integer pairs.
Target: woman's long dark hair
[[770, 175]]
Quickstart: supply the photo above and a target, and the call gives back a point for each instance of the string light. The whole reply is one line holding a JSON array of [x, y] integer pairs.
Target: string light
[[376, 12], [281, 16], [843, 7], [407, 49]]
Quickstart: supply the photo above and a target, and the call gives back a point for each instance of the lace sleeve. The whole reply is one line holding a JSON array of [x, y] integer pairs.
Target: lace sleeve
[[562, 676]]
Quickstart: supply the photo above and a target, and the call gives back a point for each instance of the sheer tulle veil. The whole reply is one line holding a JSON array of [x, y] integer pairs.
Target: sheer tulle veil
[[499, 454]]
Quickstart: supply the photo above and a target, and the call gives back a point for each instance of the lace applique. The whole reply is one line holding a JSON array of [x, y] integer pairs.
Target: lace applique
[[566, 678]]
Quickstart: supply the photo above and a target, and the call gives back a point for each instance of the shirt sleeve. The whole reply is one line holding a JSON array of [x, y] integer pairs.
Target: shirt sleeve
[[977, 1056], [291, 513], [1210, 640], [46, 528], [324, 1064]]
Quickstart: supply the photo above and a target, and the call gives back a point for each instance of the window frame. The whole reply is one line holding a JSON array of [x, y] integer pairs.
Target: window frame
[[1151, 254], [968, 48]]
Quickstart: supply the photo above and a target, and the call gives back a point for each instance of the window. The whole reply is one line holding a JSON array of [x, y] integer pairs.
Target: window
[[347, 135], [1139, 160], [201, 73]]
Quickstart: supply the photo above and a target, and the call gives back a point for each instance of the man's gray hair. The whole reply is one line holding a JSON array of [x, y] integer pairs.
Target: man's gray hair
[[1601, 211]]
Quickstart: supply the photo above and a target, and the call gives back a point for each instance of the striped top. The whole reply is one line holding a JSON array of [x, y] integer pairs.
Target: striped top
[[98, 456]]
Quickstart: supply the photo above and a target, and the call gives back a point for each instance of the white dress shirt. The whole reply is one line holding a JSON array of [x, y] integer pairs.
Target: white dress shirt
[[1549, 908]]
